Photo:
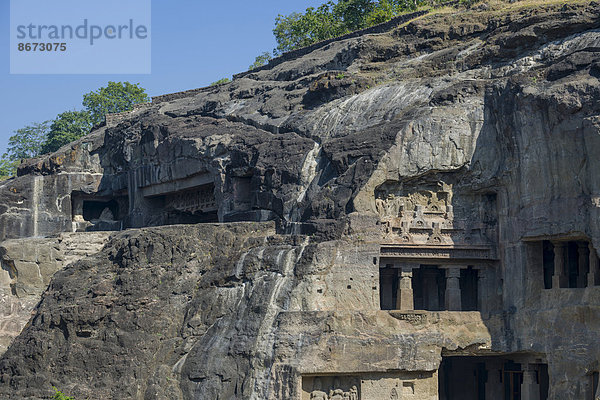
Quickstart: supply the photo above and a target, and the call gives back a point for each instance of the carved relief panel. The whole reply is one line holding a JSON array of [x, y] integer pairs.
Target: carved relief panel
[[371, 386], [433, 211], [200, 199], [331, 388]]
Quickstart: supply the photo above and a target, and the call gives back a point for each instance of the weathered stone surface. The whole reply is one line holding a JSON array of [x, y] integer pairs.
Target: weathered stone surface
[[460, 149], [27, 267]]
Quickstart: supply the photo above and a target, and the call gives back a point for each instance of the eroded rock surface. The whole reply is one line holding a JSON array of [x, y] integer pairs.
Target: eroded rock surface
[[410, 214], [27, 267]]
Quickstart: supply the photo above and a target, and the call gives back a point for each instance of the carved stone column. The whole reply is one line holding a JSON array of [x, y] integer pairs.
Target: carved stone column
[[453, 301], [405, 300], [530, 389], [593, 263], [559, 279], [482, 292], [583, 266], [493, 386], [387, 276]]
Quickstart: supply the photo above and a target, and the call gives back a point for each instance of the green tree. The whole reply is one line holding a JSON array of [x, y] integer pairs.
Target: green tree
[[8, 167], [66, 128], [220, 81], [115, 97], [353, 14], [299, 30], [336, 18], [58, 395], [25, 143], [261, 60]]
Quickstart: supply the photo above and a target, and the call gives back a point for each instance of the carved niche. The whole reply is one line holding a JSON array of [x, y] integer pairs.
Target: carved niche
[[199, 199], [433, 212], [331, 388]]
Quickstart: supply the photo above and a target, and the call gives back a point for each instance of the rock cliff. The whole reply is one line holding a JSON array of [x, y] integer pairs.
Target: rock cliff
[[368, 219]]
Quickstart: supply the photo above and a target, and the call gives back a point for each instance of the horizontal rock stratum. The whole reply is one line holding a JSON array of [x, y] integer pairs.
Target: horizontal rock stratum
[[407, 214]]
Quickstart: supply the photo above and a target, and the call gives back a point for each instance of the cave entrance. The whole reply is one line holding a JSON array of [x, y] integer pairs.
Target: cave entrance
[[565, 264], [429, 287], [98, 213], [96, 210], [493, 378]]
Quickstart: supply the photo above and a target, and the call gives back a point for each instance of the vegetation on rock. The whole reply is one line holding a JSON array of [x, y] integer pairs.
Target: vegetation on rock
[[66, 128], [114, 98], [335, 18], [25, 143], [47, 137], [58, 395], [261, 60], [220, 81]]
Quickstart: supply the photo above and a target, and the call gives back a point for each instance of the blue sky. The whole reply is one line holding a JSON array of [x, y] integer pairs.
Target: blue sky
[[194, 43]]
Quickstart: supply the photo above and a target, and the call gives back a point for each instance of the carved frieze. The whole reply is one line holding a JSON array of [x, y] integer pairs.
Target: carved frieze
[[430, 212], [366, 386], [199, 199], [438, 253]]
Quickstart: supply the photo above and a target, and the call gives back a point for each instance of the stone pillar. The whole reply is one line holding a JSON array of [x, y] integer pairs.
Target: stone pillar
[[583, 266], [530, 389], [493, 386], [405, 300], [453, 302], [559, 279], [593, 263], [482, 292], [385, 287]]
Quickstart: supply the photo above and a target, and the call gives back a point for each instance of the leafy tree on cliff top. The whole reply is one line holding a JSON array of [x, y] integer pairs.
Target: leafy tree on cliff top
[[333, 19], [49, 136], [8, 167], [72, 125], [25, 143], [115, 97], [66, 128], [261, 60]]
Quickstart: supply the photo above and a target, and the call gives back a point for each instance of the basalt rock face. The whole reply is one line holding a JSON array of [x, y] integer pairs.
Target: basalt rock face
[[411, 214], [27, 267], [299, 143]]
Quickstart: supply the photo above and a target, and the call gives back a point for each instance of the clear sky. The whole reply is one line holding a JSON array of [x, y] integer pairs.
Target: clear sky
[[194, 43]]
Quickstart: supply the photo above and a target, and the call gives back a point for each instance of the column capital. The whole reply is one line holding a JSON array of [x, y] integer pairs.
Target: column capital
[[592, 250], [558, 244], [453, 272], [406, 267]]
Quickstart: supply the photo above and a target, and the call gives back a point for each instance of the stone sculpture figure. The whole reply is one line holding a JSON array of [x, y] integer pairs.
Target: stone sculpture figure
[[336, 393], [380, 206], [318, 393], [106, 215], [394, 394], [354, 393]]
